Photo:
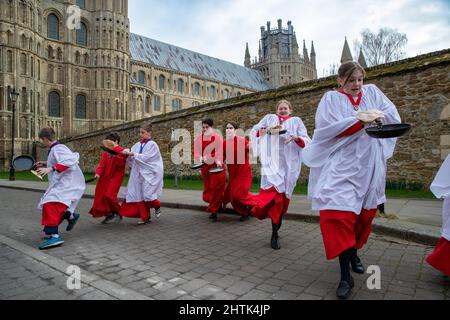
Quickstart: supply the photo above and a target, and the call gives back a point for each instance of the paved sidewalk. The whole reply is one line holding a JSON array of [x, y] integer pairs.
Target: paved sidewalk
[[183, 255], [27, 274], [417, 220]]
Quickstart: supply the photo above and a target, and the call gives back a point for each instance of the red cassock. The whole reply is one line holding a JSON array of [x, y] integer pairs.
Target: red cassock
[[236, 154], [213, 184], [112, 172], [139, 209], [440, 258], [53, 214], [342, 230], [269, 203]]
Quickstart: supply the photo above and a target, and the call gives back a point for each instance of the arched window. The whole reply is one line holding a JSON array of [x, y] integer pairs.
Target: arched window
[[24, 42], [50, 53], [9, 61], [54, 108], [82, 35], [176, 104], [195, 103], [141, 77], [226, 94], [23, 64], [238, 94], [180, 85], [157, 103], [212, 92], [162, 82], [52, 27], [197, 89], [147, 104], [77, 57], [80, 107]]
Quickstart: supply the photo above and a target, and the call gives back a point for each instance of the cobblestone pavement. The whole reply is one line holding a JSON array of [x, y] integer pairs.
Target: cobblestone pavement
[[183, 255], [24, 278]]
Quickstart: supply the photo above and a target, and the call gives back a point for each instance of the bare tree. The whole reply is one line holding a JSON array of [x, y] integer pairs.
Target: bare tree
[[385, 46], [331, 71]]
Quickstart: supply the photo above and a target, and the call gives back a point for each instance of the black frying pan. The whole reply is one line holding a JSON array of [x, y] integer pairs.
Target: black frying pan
[[24, 163], [388, 130]]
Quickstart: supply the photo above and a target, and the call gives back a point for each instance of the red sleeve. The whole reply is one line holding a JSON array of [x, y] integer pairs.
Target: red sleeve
[[300, 143], [60, 168], [352, 130], [118, 149], [102, 165]]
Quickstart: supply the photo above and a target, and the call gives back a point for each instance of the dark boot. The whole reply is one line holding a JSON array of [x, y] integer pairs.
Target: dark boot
[[280, 223], [347, 283], [355, 262], [109, 218], [381, 209], [275, 241], [244, 218], [213, 217], [249, 211]]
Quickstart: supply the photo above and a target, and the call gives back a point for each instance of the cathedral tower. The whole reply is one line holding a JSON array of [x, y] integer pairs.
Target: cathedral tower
[[279, 60]]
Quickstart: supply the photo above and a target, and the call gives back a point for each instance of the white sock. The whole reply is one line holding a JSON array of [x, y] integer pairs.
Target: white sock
[[56, 236]]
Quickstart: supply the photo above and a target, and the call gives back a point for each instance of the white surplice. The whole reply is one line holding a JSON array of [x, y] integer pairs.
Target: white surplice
[[280, 163], [66, 187], [146, 175], [349, 173], [441, 189]]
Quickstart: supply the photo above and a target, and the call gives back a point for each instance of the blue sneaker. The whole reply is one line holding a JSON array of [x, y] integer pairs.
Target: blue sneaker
[[51, 243], [73, 222]]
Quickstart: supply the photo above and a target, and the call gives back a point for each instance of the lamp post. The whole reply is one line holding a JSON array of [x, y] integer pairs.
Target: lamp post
[[13, 95]]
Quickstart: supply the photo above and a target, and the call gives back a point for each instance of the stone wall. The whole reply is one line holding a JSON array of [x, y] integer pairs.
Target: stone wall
[[419, 87]]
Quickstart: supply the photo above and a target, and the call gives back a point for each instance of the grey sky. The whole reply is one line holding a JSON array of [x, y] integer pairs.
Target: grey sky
[[220, 28]]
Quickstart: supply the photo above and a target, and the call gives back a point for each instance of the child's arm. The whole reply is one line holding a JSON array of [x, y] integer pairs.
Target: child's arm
[[101, 167]]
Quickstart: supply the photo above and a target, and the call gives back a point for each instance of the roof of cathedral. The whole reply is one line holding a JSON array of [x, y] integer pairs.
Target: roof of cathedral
[[168, 56]]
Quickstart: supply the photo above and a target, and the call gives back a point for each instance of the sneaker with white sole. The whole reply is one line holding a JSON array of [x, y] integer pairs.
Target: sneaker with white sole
[[51, 243], [158, 212]]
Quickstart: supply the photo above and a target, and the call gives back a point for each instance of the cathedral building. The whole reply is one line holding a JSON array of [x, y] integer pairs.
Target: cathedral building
[[98, 74], [75, 80]]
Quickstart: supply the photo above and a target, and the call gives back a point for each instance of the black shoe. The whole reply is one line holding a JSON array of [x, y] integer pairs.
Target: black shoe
[[244, 218], [141, 223], [109, 218], [213, 217], [345, 289], [275, 243], [357, 266], [73, 222], [221, 209]]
